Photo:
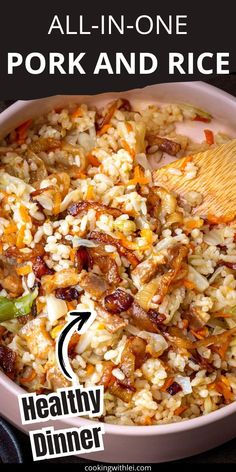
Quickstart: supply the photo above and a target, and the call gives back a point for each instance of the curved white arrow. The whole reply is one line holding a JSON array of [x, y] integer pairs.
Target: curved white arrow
[[81, 322]]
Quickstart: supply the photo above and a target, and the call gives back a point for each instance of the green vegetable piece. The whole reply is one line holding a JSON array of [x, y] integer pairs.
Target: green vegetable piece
[[12, 308]]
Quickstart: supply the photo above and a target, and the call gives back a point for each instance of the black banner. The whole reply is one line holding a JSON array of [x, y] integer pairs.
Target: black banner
[[75, 47]]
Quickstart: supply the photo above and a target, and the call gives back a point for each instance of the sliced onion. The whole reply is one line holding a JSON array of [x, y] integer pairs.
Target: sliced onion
[[84, 341], [168, 200], [72, 197], [144, 296], [156, 342], [185, 383], [191, 111], [200, 282], [215, 275], [175, 217], [86, 141], [214, 237], [56, 308], [142, 160], [80, 241]]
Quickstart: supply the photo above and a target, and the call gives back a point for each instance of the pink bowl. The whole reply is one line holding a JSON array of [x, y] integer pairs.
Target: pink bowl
[[138, 443]]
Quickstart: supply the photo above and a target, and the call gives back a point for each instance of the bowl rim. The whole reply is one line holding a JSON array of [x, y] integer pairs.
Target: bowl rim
[[212, 90], [128, 430]]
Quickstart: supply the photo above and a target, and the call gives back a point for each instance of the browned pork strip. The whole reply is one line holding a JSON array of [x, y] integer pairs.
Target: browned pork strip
[[83, 206], [106, 263], [141, 319], [107, 239], [94, 284], [165, 145], [112, 322]]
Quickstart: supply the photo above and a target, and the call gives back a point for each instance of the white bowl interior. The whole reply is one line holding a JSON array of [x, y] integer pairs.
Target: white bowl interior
[[223, 108]]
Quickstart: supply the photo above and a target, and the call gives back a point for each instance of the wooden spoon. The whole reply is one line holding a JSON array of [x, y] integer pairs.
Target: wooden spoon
[[215, 181]]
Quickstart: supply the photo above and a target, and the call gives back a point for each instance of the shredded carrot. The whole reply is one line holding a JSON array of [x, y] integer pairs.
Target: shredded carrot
[[139, 177], [220, 314], [147, 234], [10, 239], [29, 378], [72, 254], [74, 340], [23, 270], [209, 136], [167, 384], [103, 129], [193, 224], [93, 160], [20, 237], [126, 242], [200, 333], [1, 247], [202, 118], [90, 193], [39, 305], [224, 347], [70, 306], [180, 410], [185, 323], [21, 131], [127, 148], [56, 330], [11, 228], [185, 161], [223, 387], [24, 214], [57, 203], [147, 421], [77, 113], [188, 284], [81, 175], [220, 219], [191, 245], [129, 127], [90, 369]]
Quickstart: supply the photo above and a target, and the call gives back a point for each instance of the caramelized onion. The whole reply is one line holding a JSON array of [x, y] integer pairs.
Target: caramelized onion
[[165, 145], [123, 392], [94, 284], [64, 278], [118, 301], [68, 294], [107, 239], [82, 259], [106, 264], [40, 268], [144, 296], [107, 377], [83, 206], [141, 319]]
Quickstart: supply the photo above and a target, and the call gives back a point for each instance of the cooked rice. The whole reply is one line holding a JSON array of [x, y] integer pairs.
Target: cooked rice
[[101, 166]]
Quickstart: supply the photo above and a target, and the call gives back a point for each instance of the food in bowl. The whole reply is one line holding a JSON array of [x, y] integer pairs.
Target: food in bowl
[[83, 225]]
